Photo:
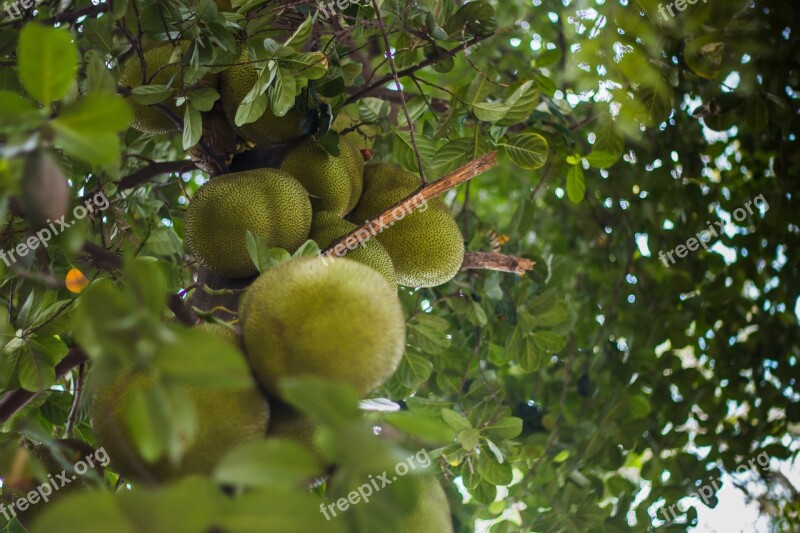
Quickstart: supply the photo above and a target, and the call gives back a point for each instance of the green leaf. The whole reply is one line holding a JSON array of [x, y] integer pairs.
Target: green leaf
[[151, 94], [301, 36], [414, 369], [548, 342], [527, 150], [196, 357], [203, 98], [533, 358], [608, 146], [507, 427], [334, 402], [310, 65], [490, 111], [192, 127], [494, 472], [88, 512], [455, 420], [262, 463], [307, 249], [468, 438], [48, 62], [96, 113], [282, 92], [17, 113], [264, 257], [427, 428], [477, 18], [576, 185]]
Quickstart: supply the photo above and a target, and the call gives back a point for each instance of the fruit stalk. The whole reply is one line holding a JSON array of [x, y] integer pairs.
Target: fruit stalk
[[498, 262]]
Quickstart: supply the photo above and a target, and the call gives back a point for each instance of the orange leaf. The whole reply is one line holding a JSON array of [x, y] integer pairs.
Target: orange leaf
[[76, 281]]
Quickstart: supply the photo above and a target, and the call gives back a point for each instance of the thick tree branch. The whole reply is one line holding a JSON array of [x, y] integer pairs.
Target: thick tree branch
[[405, 207], [15, 400], [498, 262], [153, 170], [410, 70]]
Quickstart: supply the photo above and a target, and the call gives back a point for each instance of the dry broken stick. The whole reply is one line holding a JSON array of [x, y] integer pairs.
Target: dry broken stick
[[498, 262]]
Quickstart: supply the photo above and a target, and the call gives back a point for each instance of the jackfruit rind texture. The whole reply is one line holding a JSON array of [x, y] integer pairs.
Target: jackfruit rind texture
[[334, 318], [236, 82], [327, 226], [224, 419], [268, 202], [426, 246], [334, 182]]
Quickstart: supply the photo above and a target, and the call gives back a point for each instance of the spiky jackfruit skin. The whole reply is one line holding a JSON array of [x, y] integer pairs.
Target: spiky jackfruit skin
[[224, 419], [426, 246], [362, 137], [158, 71], [334, 182], [432, 512], [306, 316], [236, 82], [268, 202], [326, 227], [19, 483]]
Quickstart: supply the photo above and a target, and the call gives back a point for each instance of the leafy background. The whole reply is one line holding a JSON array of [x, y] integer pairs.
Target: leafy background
[[586, 395]]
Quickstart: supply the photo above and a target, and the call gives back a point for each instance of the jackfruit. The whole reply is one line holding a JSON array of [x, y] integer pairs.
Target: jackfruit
[[224, 419], [334, 318], [432, 511], [426, 246], [269, 128], [159, 71], [360, 135], [268, 202], [334, 182], [22, 480], [327, 227], [45, 191]]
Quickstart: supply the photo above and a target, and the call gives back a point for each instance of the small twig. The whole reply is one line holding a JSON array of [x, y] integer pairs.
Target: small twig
[[399, 87], [15, 400], [76, 402], [498, 262], [410, 70], [405, 207]]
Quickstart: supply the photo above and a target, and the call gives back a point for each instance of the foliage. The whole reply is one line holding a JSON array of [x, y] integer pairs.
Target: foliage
[[587, 395]]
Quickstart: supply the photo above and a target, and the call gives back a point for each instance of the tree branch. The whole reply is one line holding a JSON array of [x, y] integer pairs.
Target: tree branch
[[410, 70], [153, 170], [393, 68], [15, 400], [405, 207], [498, 262]]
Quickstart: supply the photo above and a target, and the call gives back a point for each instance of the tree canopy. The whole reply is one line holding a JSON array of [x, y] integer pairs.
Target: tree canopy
[[623, 332]]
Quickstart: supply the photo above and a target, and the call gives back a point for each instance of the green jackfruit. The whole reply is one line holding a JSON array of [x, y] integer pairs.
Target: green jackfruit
[[360, 135], [334, 318], [334, 182], [224, 419], [287, 422], [426, 246], [432, 512], [326, 227], [268, 129], [268, 202], [159, 71]]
